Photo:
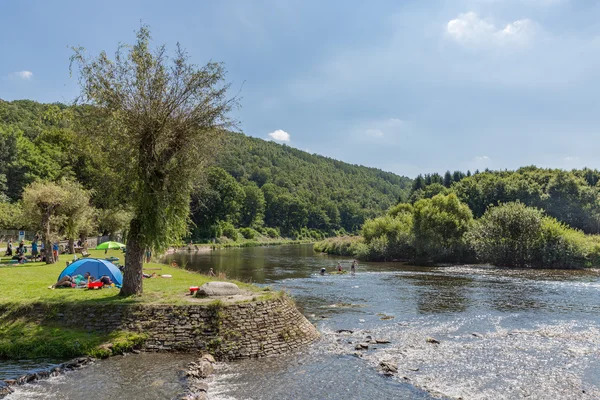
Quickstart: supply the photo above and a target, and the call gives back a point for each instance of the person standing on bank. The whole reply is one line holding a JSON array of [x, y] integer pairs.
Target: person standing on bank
[[353, 267], [9, 248], [34, 248]]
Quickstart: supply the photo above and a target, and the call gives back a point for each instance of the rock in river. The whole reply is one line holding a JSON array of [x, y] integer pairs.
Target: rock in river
[[388, 368]]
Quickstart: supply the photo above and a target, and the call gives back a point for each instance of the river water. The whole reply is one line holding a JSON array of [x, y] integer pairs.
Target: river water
[[503, 334]]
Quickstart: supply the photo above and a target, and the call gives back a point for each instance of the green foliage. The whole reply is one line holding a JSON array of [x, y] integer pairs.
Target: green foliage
[[165, 117], [79, 214], [253, 206], [508, 235], [277, 186], [571, 197], [112, 221], [389, 237], [220, 199], [22, 339], [428, 192], [342, 246], [303, 190], [431, 230], [272, 232], [249, 233], [439, 226], [11, 215], [228, 230], [400, 208], [515, 235]]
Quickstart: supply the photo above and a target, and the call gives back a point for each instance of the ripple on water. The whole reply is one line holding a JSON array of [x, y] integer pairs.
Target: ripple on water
[[549, 361], [537, 335], [148, 376]]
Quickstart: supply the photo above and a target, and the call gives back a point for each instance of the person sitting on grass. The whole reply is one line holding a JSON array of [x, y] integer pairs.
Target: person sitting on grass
[[64, 282], [105, 279], [21, 250], [82, 280]]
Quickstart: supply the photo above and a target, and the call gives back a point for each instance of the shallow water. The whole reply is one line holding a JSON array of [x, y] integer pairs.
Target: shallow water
[[144, 376], [503, 334]]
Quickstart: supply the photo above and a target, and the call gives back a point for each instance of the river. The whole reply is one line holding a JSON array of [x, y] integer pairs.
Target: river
[[503, 334]]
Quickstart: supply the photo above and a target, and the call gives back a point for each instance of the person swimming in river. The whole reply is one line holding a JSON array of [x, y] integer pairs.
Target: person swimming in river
[[323, 270], [339, 267], [353, 267]]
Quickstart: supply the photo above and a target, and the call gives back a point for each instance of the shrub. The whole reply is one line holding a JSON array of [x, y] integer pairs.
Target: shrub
[[248, 233], [400, 208], [561, 246], [229, 230], [342, 246], [273, 233], [514, 235], [389, 237], [507, 235], [439, 228]]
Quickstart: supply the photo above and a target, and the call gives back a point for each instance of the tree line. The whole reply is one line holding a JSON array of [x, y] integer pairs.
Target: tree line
[[534, 217]]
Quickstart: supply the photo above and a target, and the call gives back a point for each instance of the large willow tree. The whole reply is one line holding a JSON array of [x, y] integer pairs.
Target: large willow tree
[[159, 119]]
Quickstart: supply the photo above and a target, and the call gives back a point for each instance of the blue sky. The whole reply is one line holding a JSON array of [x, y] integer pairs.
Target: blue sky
[[406, 86]]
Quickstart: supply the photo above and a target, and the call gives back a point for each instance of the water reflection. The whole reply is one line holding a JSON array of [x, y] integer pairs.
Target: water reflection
[[436, 293]]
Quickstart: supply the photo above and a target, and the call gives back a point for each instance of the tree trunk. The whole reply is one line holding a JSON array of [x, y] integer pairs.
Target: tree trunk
[[134, 261], [46, 239], [49, 252], [71, 246]]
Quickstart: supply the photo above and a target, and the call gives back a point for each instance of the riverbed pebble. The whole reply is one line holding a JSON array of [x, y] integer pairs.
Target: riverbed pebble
[[196, 372], [432, 340], [388, 368]]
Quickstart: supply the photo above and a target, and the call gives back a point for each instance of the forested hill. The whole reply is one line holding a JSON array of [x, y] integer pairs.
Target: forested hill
[[300, 190], [255, 183], [314, 177]]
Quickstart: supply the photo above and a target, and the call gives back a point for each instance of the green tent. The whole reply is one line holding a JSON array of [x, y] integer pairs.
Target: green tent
[[109, 245]]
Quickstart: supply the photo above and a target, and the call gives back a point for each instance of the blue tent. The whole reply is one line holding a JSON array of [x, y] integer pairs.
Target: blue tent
[[96, 268]]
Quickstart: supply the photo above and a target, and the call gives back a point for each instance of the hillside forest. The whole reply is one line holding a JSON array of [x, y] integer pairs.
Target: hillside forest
[[256, 188]]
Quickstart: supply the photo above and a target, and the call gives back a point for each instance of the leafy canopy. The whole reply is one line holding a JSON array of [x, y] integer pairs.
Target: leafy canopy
[[163, 118]]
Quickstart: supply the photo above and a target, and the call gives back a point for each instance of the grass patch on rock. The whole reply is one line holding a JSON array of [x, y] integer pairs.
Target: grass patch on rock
[[23, 339]]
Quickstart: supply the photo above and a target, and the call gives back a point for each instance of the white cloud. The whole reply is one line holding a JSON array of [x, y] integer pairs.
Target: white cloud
[[374, 133], [470, 30], [482, 158], [389, 128], [280, 136], [25, 75]]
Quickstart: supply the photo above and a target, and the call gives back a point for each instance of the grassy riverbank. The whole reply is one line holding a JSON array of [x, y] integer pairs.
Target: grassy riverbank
[[22, 286], [28, 283]]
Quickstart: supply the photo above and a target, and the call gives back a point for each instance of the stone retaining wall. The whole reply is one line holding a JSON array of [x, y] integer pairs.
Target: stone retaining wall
[[229, 332]]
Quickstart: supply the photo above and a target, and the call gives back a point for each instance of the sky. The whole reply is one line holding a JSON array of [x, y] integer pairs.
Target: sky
[[410, 87]]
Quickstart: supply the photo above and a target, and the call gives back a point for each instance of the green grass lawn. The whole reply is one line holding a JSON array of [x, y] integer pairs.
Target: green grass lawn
[[22, 285], [28, 283]]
